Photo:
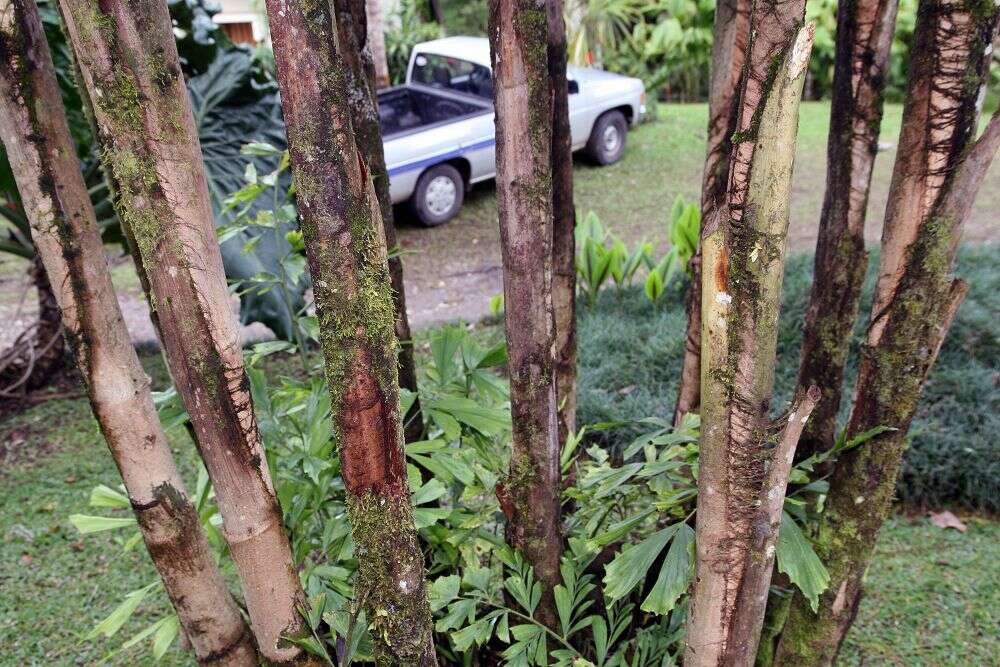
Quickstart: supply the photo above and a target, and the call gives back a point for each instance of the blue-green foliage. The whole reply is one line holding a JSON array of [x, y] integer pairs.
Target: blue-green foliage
[[630, 358]]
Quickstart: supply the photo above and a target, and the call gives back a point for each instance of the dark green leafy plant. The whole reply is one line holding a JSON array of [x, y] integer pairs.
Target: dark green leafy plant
[[235, 102]]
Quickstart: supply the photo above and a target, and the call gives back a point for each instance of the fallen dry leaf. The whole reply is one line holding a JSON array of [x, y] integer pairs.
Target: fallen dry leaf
[[946, 519]]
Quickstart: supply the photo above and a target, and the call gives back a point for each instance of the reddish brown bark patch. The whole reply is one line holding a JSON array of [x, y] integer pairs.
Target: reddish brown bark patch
[[367, 427]]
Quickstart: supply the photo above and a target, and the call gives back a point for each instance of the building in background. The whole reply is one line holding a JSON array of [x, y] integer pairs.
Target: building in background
[[242, 21]]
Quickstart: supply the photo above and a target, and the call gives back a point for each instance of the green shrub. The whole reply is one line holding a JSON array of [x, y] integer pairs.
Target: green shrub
[[630, 358]]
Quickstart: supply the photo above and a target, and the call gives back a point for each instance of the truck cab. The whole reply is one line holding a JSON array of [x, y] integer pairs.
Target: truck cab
[[438, 128]]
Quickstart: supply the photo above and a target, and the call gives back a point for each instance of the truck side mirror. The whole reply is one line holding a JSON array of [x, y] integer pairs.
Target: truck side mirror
[[573, 87]]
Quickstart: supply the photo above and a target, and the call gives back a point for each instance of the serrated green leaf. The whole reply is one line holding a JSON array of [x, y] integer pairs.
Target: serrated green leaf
[[443, 590], [630, 566], [459, 613], [797, 559], [486, 420], [675, 574], [260, 149], [165, 635], [617, 531], [424, 517], [429, 492]]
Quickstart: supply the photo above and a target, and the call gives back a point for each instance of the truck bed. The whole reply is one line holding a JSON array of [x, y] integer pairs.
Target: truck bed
[[410, 108]]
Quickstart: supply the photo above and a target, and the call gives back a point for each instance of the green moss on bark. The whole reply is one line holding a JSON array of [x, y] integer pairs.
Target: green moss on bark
[[391, 578]]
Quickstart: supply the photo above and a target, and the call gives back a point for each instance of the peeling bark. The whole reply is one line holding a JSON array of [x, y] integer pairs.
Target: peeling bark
[[563, 225], [361, 78], [864, 35], [744, 254], [732, 32], [346, 247], [518, 32], [939, 168], [128, 63], [64, 229]]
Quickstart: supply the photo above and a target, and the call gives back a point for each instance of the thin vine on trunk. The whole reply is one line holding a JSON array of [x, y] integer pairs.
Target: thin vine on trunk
[[361, 76], [376, 40], [563, 224], [732, 32], [864, 35]]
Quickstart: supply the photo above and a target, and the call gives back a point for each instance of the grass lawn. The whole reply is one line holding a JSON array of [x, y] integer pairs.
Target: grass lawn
[[664, 159]]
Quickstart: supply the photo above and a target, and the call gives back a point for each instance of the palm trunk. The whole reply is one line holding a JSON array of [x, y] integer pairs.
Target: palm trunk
[[732, 31], [363, 101], [530, 495], [563, 225], [128, 62], [939, 168], [64, 229], [345, 244], [376, 42], [743, 253], [864, 35]]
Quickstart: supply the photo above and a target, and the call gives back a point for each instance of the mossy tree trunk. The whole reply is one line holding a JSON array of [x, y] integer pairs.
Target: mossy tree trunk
[[376, 40], [743, 254], [530, 495], [345, 244], [939, 168], [64, 229], [732, 32], [563, 225], [128, 63], [361, 75], [864, 35]]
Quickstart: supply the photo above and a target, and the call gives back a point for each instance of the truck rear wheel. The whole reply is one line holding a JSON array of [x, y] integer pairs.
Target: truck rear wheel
[[438, 195], [607, 140]]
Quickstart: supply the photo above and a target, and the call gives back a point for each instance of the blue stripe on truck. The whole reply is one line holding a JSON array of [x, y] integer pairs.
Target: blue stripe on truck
[[426, 162]]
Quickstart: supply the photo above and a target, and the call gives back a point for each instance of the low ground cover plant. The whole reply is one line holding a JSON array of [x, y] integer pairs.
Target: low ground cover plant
[[952, 457]]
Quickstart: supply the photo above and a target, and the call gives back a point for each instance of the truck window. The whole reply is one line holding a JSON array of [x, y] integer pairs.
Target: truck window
[[456, 74]]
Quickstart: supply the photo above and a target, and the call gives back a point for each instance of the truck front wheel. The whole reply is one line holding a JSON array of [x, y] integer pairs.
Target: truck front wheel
[[607, 140], [438, 195]]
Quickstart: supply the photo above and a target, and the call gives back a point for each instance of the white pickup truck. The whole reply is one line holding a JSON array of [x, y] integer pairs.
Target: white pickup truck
[[438, 128]]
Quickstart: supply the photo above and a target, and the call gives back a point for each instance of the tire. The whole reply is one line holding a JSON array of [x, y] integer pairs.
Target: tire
[[438, 196], [607, 140]]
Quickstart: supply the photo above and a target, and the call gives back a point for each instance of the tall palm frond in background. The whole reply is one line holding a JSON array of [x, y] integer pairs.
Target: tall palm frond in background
[[593, 26]]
